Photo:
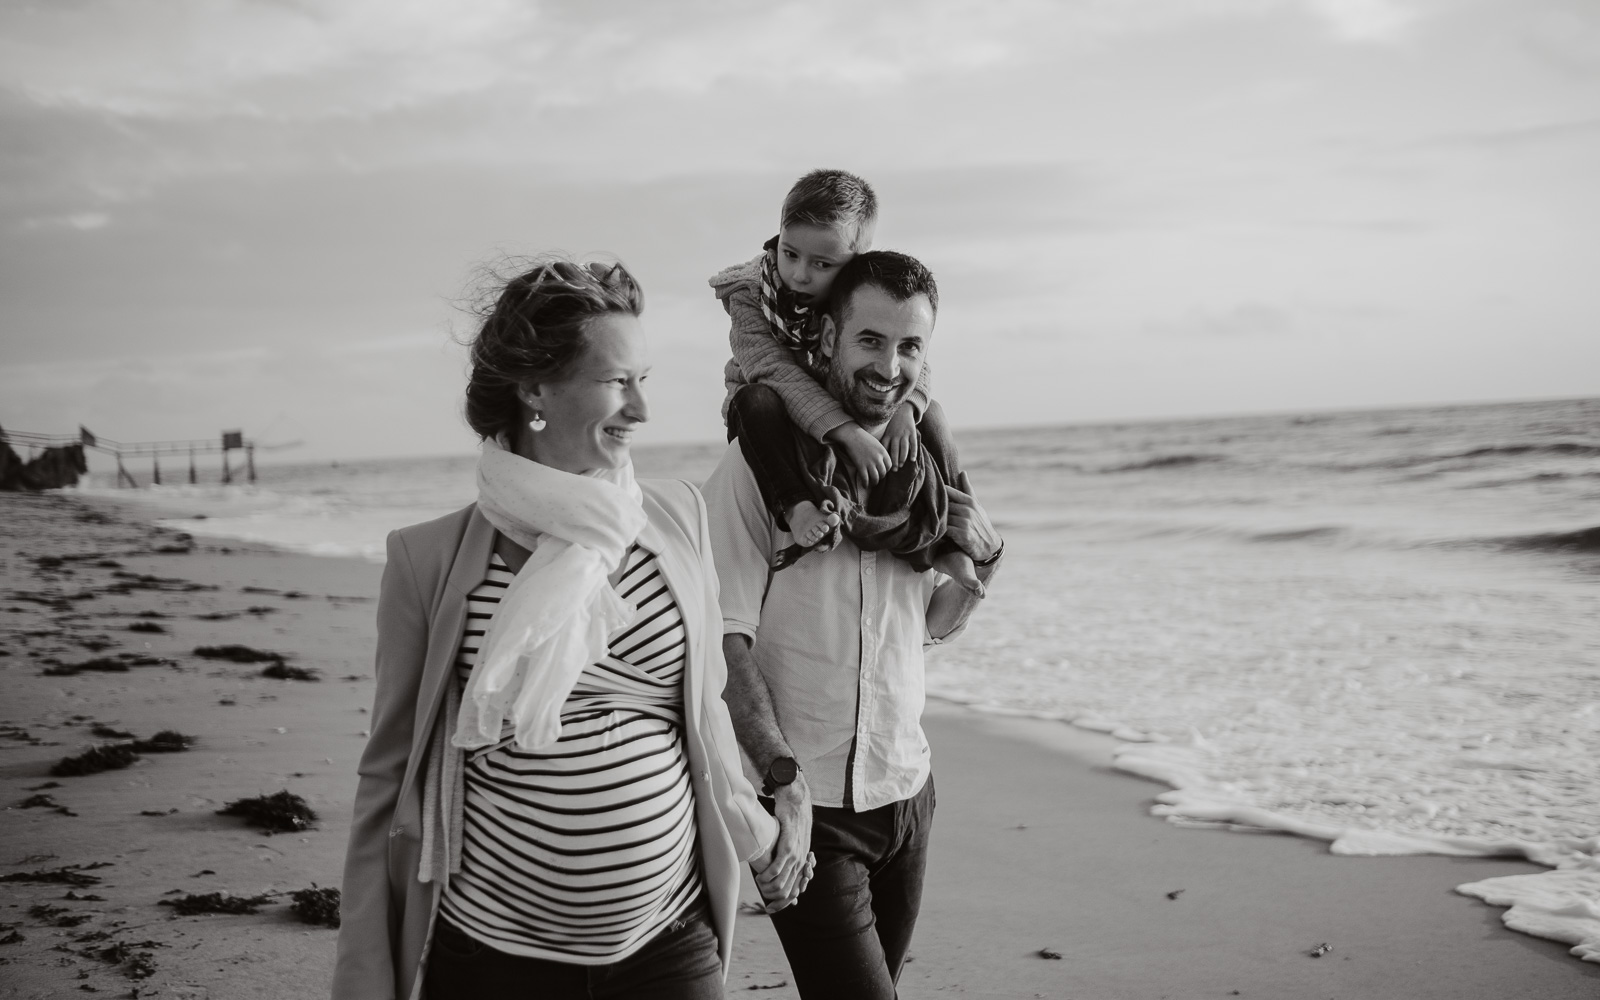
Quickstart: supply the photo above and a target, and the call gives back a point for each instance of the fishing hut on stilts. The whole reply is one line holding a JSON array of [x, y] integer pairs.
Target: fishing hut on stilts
[[61, 458]]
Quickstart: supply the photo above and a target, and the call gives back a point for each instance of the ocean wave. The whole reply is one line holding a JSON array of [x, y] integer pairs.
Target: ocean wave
[[1564, 449], [1560, 904], [1581, 540], [1319, 533], [1180, 461], [1538, 477]]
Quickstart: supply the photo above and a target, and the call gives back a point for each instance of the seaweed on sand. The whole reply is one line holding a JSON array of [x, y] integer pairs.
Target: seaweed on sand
[[235, 653], [100, 664], [282, 671], [316, 906], [166, 741], [112, 757], [146, 627], [135, 964], [65, 875], [43, 801], [280, 812], [118, 664], [58, 916], [216, 902], [115, 756]]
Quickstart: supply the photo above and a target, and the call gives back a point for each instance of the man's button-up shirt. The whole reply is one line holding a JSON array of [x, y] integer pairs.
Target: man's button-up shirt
[[838, 636]]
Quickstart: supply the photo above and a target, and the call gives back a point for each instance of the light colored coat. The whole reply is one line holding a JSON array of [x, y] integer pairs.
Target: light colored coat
[[387, 912]]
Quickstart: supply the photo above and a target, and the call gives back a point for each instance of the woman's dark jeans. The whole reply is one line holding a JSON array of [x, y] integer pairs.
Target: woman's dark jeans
[[848, 935], [680, 963]]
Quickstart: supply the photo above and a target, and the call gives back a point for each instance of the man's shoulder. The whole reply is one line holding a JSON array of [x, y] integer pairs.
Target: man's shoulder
[[731, 472], [732, 496]]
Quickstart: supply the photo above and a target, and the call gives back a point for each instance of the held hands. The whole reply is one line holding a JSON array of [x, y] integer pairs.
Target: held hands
[[782, 879], [969, 524], [900, 437], [870, 458]]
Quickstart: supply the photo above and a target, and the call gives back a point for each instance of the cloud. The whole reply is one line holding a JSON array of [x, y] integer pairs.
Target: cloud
[[1366, 20], [81, 221], [310, 60], [1244, 319], [1567, 38]]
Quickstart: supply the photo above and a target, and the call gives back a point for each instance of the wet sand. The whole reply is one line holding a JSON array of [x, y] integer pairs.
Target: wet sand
[[1038, 845]]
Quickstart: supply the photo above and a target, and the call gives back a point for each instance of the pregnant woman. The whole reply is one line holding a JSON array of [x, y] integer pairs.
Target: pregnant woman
[[551, 802]]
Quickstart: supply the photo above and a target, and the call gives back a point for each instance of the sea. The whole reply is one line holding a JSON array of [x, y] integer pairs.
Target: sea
[[1379, 628]]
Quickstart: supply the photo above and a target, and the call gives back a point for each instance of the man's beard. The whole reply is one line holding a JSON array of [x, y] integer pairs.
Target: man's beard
[[864, 405]]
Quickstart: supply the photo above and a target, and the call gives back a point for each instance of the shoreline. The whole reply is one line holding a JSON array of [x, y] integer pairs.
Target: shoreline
[[1077, 823]]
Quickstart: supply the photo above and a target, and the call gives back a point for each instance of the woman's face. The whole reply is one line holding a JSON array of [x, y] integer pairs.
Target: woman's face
[[590, 416]]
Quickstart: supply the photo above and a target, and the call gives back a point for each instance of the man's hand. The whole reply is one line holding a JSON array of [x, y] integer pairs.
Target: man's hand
[[870, 458], [782, 882], [771, 898], [969, 524], [900, 437]]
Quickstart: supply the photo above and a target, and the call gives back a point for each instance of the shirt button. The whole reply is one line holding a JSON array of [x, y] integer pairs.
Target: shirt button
[[395, 832]]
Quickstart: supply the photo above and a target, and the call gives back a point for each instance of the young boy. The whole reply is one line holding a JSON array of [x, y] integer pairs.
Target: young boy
[[775, 302]]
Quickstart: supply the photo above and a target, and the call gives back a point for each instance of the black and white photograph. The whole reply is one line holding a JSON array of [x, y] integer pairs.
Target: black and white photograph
[[542, 499]]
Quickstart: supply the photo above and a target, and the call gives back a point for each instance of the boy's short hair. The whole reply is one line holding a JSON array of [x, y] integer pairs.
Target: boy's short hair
[[898, 275], [831, 198]]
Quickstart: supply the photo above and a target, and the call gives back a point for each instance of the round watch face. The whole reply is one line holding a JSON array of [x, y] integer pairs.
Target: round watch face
[[783, 771]]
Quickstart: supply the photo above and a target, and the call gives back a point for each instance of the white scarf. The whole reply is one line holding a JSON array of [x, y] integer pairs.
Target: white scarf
[[557, 614]]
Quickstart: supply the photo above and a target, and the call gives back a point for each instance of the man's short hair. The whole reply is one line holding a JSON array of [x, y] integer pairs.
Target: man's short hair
[[831, 198], [898, 275]]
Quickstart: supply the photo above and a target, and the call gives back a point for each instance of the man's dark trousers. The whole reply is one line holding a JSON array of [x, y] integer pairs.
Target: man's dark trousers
[[848, 935]]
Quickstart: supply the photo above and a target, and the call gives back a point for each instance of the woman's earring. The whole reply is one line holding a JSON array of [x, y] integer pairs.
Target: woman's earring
[[537, 423]]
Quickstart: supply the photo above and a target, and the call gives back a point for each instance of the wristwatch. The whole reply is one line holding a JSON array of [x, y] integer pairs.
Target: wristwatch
[[782, 771]]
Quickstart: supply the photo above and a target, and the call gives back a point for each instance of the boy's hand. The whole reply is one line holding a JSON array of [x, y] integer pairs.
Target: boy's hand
[[869, 457], [900, 437]]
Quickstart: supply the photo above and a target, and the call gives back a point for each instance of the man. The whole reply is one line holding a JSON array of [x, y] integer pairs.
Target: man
[[825, 670]]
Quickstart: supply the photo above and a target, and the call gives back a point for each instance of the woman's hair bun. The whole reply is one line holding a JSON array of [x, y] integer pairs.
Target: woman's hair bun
[[533, 331]]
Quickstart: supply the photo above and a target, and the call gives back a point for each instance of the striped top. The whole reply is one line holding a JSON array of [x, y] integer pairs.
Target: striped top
[[582, 851]]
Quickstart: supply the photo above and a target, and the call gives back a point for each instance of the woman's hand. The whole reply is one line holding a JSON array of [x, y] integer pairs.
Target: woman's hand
[[773, 897], [900, 437]]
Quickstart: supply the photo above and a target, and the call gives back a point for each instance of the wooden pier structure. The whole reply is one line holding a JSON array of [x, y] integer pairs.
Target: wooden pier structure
[[227, 442]]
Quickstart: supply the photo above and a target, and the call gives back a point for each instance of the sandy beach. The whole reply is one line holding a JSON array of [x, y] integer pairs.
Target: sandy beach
[[1039, 845]]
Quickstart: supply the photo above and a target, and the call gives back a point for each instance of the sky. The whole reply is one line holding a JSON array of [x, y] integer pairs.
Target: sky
[[275, 215]]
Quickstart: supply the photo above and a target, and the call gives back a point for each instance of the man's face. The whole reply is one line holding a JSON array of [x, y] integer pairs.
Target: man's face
[[875, 355]]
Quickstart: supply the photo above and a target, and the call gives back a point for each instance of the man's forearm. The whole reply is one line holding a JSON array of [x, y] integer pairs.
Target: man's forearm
[[951, 604], [750, 704]]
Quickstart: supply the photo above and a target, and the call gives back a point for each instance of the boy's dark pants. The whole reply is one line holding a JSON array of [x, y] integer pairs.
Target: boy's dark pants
[[759, 419], [848, 935]]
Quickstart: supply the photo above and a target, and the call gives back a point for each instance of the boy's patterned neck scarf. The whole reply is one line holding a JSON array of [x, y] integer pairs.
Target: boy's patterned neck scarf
[[793, 325]]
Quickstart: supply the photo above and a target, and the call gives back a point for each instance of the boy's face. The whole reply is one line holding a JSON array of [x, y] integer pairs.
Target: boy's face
[[809, 257]]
